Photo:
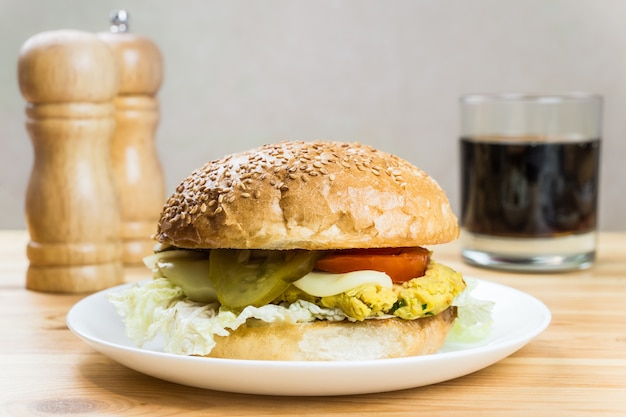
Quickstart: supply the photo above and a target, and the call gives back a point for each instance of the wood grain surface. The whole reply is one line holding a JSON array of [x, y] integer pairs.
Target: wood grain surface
[[577, 367]]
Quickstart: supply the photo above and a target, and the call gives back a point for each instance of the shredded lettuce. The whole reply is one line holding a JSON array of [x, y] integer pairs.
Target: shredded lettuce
[[145, 308], [474, 320]]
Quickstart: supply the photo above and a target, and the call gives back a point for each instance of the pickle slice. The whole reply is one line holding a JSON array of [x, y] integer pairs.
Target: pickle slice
[[187, 269], [250, 277]]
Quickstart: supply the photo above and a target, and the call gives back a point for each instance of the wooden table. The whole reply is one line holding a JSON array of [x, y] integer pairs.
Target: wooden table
[[577, 367]]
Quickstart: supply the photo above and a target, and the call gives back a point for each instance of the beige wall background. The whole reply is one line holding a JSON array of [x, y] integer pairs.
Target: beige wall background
[[387, 73]]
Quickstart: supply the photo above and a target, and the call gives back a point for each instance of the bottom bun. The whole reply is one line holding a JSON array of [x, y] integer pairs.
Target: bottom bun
[[336, 341]]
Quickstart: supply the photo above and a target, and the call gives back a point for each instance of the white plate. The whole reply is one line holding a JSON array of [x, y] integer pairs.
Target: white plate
[[518, 317]]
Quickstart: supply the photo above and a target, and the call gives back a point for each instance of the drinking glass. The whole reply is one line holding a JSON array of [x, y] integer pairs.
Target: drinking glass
[[529, 180]]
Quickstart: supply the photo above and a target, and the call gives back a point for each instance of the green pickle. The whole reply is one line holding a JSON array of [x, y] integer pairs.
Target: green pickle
[[255, 277], [190, 271]]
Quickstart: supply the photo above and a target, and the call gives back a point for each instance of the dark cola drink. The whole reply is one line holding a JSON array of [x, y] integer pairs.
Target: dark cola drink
[[528, 205], [529, 189]]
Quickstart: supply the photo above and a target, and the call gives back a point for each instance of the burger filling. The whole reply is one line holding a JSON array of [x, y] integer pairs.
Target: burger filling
[[360, 287], [199, 294]]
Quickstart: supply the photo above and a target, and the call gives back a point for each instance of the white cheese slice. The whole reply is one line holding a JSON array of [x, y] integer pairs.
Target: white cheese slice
[[325, 284]]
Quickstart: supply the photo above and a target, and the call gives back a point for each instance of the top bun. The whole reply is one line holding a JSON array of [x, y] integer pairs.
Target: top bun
[[307, 195]]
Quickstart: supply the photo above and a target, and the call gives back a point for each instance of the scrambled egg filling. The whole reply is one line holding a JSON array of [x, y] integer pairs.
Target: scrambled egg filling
[[424, 296]]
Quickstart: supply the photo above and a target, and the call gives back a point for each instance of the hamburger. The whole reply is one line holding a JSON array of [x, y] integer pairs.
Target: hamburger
[[299, 251]]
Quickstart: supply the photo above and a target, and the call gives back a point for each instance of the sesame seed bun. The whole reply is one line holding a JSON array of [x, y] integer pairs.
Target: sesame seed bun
[[307, 195]]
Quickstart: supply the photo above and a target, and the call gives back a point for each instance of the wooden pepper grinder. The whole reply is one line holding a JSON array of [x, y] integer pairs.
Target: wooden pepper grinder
[[136, 167], [69, 80]]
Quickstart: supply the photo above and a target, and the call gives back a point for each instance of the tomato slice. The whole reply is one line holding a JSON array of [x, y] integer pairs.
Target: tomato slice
[[401, 264]]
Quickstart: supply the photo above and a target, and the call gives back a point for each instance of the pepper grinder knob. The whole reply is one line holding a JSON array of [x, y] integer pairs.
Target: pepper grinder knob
[[69, 80], [119, 21], [136, 166]]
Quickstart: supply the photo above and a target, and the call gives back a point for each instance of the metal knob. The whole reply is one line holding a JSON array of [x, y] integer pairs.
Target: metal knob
[[119, 21]]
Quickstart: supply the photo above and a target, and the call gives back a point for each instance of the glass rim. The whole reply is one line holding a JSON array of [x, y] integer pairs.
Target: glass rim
[[540, 98]]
